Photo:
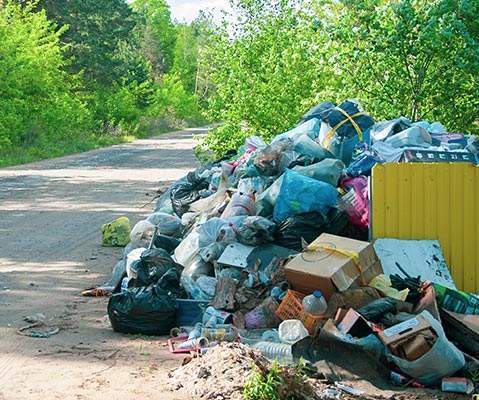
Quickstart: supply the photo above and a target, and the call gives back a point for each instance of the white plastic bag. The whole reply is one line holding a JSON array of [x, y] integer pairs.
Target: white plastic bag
[[442, 360]]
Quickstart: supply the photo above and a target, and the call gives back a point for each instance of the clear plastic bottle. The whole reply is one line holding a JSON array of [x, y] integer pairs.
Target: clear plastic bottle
[[281, 351], [315, 303]]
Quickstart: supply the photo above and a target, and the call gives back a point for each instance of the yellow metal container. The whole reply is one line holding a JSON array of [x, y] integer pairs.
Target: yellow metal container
[[432, 201]]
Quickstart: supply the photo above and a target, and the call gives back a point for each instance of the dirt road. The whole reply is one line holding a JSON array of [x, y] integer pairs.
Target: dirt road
[[50, 250]]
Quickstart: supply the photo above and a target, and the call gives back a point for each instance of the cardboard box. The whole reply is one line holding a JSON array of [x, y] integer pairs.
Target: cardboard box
[[352, 322], [328, 269], [410, 339]]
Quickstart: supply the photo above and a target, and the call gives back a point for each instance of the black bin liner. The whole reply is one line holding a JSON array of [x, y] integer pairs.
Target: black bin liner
[[148, 310], [308, 226]]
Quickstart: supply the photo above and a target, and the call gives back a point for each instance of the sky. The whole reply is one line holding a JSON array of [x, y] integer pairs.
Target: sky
[[187, 10]]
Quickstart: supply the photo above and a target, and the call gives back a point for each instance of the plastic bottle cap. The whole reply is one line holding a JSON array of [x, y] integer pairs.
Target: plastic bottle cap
[[318, 294]]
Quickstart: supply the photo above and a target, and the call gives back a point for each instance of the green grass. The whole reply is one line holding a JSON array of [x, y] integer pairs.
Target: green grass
[[25, 154]]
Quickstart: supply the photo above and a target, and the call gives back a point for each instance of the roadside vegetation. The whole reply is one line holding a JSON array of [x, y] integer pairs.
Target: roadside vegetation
[[84, 74]]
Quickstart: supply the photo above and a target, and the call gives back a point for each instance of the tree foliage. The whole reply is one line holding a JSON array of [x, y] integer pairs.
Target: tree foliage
[[263, 68], [99, 38], [36, 98], [156, 35], [413, 58]]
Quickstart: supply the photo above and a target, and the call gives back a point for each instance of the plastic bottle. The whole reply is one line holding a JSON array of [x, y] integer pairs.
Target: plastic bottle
[[281, 351], [315, 303], [192, 288], [292, 330]]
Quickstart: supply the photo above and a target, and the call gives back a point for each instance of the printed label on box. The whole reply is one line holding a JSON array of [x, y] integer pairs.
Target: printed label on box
[[403, 326]]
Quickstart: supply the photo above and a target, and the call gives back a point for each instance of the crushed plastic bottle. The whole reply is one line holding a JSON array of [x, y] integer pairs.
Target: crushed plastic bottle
[[291, 331]]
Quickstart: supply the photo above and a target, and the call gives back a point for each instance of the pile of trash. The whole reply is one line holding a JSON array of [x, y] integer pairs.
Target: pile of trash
[[268, 247]]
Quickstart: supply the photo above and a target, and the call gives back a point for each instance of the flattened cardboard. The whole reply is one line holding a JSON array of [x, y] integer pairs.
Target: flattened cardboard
[[463, 329], [329, 270]]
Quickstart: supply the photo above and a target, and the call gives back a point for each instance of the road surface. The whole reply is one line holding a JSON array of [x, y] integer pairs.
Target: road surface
[[50, 250]]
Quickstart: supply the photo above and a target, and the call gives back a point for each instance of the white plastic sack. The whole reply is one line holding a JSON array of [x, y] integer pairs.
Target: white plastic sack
[[168, 224], [214, 235], [443, 360], [142, 231]]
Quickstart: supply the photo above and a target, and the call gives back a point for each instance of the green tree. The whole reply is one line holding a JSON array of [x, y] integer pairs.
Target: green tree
[[37, 103], [264, 71], [415, 58], [156, 34], [190, 40], [99, 38]]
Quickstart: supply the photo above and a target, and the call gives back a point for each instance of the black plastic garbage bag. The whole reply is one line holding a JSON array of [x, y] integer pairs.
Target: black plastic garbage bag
[[153, 264], [168, 243], [308, 226], [186, 191], [148, 310]]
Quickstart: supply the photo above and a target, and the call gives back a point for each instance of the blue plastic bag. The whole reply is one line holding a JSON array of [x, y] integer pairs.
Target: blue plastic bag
[[300, 194]]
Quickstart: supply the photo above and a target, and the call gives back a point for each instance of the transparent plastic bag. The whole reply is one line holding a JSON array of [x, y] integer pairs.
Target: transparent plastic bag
[[300, 194]]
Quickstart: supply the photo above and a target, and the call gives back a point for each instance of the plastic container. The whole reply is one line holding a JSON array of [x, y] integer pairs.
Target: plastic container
[[253, 336], [291, 331], [281, 351], [315, 303], [193, 289], [291, 308], [190, 311]]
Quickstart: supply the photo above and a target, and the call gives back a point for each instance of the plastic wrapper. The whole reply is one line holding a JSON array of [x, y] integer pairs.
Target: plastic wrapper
[[167, 224], [308, 226], [268, 160], [300, 194], [192, 289], [239, 204], [363, 161], [310, 128], [151, 266], [132, 259], [142, 232], [265, 201], [148, 310], [328, 170], [214, 235], [256, 230], [303, 144], [168, 243], [356, 200], [207, 284], [188, 248], [382, 130], [198, 267], [187, 191]]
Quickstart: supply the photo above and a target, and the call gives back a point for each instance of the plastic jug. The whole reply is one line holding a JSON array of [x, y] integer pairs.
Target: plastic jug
[[315, 303]]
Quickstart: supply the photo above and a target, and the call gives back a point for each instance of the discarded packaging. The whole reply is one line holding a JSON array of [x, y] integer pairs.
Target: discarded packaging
[[333, 263]]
